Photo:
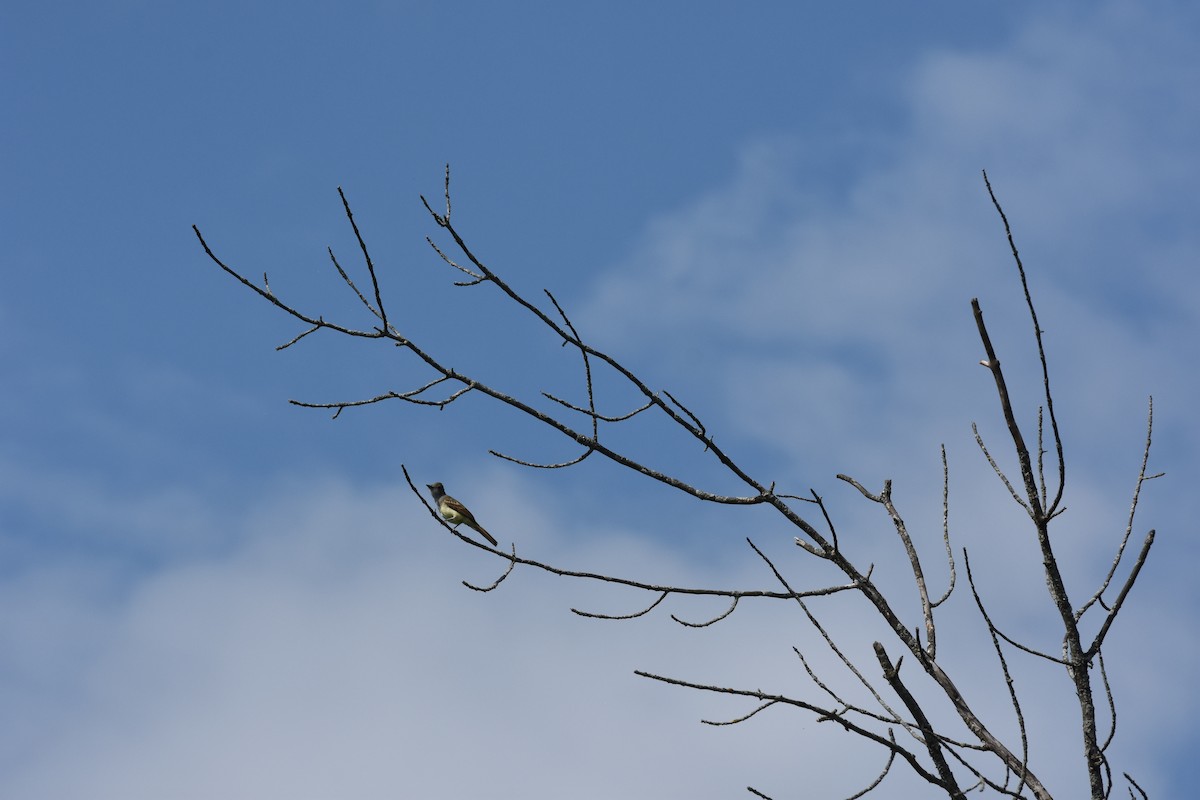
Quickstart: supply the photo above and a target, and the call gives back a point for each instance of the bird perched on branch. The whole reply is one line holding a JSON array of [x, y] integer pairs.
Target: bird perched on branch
[[455, 512]]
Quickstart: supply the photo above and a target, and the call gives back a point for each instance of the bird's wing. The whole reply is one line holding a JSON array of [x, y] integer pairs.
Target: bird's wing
[[458, 508]]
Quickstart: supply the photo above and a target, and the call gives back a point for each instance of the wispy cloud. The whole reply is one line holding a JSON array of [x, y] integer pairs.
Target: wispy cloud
[[833, 322]]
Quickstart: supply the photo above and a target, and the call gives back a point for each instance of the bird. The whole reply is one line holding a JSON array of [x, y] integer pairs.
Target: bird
[[455, 512]]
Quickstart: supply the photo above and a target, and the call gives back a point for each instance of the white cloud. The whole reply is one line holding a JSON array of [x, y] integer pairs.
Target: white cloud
[[332, 652], [834, 324]]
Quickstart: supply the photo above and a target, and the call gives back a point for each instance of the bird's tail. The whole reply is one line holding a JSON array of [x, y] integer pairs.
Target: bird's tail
[[486, 535]]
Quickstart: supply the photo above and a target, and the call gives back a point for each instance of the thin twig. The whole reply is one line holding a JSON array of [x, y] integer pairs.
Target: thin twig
[[297, 338], [346, 278], [592, 413], [267, 295], [537, 465], [1137, 493], [634, 615], [713, 621], [1112, 706], [1037, 332], [946, 529], [512, 563], [884, 498], [823, 713], [883, 774], [1141, 791], [367, 257], [829, 642], [1096, 644], [1008, 679], [996, 468], [649, 587], [742, 718]]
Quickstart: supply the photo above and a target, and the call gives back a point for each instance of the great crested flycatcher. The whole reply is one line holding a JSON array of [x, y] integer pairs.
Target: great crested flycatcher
[[455, 512]]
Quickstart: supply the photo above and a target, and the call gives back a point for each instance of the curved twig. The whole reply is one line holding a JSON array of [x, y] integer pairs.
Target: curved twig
[[512, 563], [1037, 332], [1112, 706], [713, 621], [1008, 679], [536, 465], [946, 529], [886, 769], [634, 615], [593, 413], [743, 718]]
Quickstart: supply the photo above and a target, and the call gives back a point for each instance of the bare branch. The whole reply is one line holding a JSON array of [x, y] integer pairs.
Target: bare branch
[[476, 279], [1014, 430], [713, 621], [742, 718], [1037, 332], [345, 277], [1041, 457], [1112, 706], [1041, 514], [649, 587], [946, 529], [890, 718], [1141, 791], [634, 615], [512, 562], [820, 503], [810, 548], [443, 221], [535, 465], [1040, 504], [884, 498], [823, 713], [1008, 679], [689, 423], [587, 366], [891, 674], [593, 413], [1129, 581], [837, 651], [883, 774], [366, 257], [297, 338], [981, 779], [695, 420], [409, 397], [267, 295], [1137, 492], [998, 471]]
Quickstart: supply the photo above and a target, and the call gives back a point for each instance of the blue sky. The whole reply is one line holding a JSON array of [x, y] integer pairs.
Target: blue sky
[[776, 214]]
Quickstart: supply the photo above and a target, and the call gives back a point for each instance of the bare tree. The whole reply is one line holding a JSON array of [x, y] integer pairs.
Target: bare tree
[[954, 757]]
